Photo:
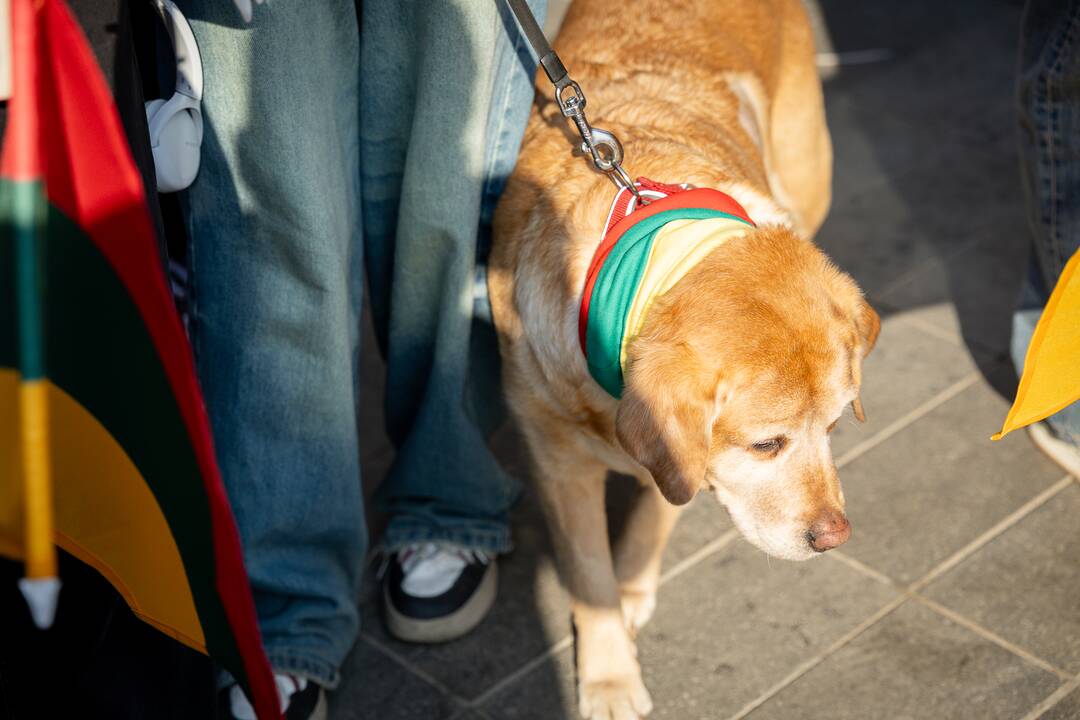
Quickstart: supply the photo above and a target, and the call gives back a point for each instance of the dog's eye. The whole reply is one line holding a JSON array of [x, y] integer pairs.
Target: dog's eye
[[770, 446]]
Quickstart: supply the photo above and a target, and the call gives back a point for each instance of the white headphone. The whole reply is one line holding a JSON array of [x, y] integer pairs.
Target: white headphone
[[176, 126]]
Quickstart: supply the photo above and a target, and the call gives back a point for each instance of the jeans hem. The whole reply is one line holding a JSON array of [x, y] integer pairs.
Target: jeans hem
[[302, 663], [495, 542]]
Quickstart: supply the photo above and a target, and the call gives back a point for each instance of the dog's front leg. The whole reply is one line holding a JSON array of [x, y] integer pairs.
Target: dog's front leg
[[571, 488], [639, 551]]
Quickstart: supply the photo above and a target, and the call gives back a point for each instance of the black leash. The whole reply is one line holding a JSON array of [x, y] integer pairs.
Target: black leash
[[604, 147]]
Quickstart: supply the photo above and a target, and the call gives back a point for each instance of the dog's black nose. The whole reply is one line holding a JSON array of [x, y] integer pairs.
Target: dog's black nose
[[830, 530]]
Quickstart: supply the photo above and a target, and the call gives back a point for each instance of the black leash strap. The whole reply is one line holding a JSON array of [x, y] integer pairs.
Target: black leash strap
[[604, 147], [551, 63]]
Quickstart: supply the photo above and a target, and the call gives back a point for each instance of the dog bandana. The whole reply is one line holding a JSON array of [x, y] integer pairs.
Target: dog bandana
[[645, 251]]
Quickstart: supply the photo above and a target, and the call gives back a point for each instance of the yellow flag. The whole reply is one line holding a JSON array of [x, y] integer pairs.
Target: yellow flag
[[1051, 377]]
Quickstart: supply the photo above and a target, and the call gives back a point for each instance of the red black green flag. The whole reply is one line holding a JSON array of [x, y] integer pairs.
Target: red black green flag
[[95, 369]]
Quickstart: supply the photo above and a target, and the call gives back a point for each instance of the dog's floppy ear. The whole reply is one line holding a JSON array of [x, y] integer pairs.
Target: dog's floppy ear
[[868, 325], [664, 420]]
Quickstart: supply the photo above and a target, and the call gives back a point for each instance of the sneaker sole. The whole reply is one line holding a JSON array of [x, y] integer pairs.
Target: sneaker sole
[[1061, 452], [449, 627], [320, 712]]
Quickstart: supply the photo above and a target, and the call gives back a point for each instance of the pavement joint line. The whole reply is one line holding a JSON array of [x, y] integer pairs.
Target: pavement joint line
[[973, 346], [698, 555], [955, 617], [929, 328], [926, 264], [476, 711], [460, 713], [990, 635], [522, 671], [907, 419], [808, 665], [1002, 525], [865, 570], [1051, 700], [912, 590], [963, 553], [678, 569], [415, 670]]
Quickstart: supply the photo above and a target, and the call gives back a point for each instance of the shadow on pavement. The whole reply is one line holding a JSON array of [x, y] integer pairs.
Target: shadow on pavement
[[928, 208]]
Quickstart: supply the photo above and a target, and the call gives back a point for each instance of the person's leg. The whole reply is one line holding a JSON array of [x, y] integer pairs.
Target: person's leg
[[1049, 120], [277, 267], [445, 93]]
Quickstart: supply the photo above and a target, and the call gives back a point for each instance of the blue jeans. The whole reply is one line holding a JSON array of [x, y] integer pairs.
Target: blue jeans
[[327, 150], [1049, 105]]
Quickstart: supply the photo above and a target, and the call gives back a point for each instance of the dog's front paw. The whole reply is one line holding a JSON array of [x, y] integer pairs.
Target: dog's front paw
[[637, 608], [616, 698]]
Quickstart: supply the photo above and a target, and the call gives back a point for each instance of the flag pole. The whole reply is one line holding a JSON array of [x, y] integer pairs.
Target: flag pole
[[40, 586]]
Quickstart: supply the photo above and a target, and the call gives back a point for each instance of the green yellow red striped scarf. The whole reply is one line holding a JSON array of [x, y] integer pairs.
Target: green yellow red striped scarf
[[644, 253]]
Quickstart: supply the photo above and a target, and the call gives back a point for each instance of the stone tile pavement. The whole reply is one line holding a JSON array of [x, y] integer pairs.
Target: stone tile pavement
[[959, 594]]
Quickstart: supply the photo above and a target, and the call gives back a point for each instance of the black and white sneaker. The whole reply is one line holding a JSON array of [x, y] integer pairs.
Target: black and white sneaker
[[435, 592], [299, 700]]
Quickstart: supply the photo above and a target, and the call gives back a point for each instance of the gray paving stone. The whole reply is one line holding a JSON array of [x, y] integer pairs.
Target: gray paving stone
[[923, 494], [1025, 585], [1067, 709], [548, 693], [955, 83], [723, 632], [914, 664], [919, 24], [374, 688], [973, 292], [927, 211], [470, 714], [866, 155], [906, 368]]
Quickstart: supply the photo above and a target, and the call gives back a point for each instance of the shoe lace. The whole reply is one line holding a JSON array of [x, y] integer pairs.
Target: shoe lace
[[413, 554]]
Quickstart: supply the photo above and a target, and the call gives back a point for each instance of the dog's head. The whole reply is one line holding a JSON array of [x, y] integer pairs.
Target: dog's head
[[737, 378]]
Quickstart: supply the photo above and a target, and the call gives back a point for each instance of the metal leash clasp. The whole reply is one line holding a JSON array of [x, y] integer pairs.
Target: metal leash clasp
[[603, 146]]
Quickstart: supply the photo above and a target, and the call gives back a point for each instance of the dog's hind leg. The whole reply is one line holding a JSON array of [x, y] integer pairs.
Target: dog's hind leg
[[639, 551], [570, 484], [801, 150]]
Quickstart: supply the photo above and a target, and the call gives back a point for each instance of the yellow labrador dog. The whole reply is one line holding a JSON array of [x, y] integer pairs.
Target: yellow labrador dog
[[734, 373]]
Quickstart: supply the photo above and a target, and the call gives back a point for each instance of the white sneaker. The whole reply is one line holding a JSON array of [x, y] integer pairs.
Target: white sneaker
[[299, 699], [436, 592]]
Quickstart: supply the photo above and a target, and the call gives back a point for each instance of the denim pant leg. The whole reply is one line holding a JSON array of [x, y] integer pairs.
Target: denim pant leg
[[277, 265], [445, 94], [1049, 107]]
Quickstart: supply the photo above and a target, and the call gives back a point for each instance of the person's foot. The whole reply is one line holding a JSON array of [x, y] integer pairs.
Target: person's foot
[[299, 699], [1063, 453], [435, 592]]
